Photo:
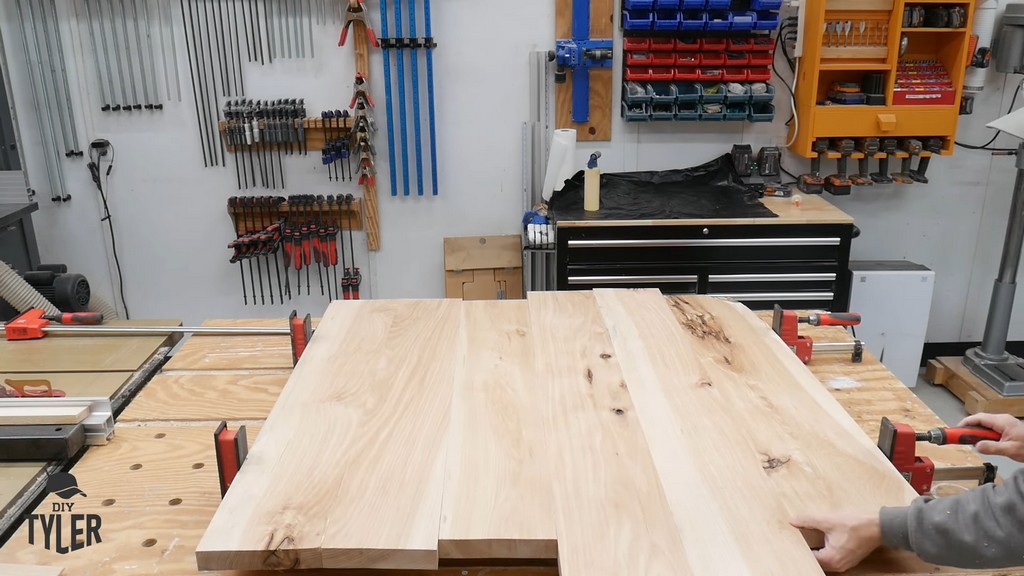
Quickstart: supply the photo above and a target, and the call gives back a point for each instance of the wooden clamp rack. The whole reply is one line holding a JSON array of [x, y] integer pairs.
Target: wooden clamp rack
[[316, 134], [846, 40], [245, 219]]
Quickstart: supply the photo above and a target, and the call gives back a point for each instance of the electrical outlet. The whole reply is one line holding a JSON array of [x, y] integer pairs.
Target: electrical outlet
[[801, 8]]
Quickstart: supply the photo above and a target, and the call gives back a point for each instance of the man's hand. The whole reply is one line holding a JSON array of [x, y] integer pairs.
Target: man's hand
[[1012, 443], [849, 538]]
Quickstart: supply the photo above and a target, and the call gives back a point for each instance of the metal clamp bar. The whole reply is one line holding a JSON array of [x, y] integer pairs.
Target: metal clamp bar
[[128, 330], [770, 277], [630, 279], [769, 296], [696, 242]]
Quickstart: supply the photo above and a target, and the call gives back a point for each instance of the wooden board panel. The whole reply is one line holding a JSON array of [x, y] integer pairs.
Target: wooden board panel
[[15, 477], [479, 252], [599, 128], [93, 384], [812, 210], [611, 513], [25, 570], [497, 493], [207, 396], [794, 446], [385, 393], [236, 352], [83, 353], [41, 415]]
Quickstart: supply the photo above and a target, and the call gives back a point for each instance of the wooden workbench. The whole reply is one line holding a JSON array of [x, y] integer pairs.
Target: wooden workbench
[[83, 366], [156, 487]]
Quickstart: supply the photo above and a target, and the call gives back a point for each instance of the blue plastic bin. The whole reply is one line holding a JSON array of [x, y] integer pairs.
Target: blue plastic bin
[[688, 112], [719, 20], [767, 21], [716, 95], [706, 116], [640, 114], [663, 112], [765, 4], [762, 112], [666, 20], [635, 97], [692, 4], [718, 4], [732, 98], [638, 4], [688, 92], [736, 112], [766, 97], [666, 4], [662, 92], [637, 20], [693, 20], [744, 20]]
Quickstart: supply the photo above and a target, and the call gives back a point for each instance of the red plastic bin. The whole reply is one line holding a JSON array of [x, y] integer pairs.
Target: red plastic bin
[[687, 45], [662, 44], [763, 44], [712, 59], [662, 74], [687, 58], [710, 74], [686, 73], [639, 59], [761, 58], [638, 73], [759, 74], [663, 59], [734, 75], [636, 44], [737, 59], [713, 44], [739, 44]]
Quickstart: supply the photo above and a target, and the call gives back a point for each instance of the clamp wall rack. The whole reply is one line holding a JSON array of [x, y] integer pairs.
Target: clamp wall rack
[[851, 44], [245, 219]]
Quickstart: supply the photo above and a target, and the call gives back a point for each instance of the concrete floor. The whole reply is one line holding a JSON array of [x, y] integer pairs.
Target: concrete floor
[[951, 410]]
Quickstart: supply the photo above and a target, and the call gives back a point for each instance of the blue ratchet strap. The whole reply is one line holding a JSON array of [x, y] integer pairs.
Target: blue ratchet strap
[[416, 97], [429, 45], [401, 97], [387, 95]]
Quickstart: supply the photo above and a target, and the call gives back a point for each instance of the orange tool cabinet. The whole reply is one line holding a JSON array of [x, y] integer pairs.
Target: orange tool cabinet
[[835, 54]]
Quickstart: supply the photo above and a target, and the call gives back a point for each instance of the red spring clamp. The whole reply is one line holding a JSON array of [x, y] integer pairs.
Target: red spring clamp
[[231, 447], [360, 90], [301, 334], [357, 13]]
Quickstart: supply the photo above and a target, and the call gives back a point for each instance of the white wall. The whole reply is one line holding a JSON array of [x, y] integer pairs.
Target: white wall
[[172, 227]]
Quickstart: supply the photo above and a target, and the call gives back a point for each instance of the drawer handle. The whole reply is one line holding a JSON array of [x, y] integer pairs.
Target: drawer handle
[[770, 277], [630, 279], [769, 296], [696, 242]]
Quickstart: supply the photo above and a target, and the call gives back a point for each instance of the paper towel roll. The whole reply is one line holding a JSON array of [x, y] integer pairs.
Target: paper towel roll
[[561, 161]]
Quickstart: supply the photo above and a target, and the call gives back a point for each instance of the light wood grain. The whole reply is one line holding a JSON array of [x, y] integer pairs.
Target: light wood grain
[[812, 210], [25, 570], [93, 384], [793, 442], [975, 394], [207, 396], [15, 478], [497, 493], [612, 516], [236, 352], [32, 415], [384, 393], [480, 252], [65, 353]]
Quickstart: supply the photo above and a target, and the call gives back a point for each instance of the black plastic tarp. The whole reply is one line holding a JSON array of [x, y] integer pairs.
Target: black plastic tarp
[[711, 190]]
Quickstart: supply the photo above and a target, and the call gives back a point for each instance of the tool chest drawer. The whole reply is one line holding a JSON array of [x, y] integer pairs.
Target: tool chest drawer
[[796, 266]]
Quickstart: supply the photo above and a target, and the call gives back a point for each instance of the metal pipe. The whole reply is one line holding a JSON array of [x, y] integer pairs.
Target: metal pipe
[[300, 35], [96, 55], [238, 48], [134, 330], [312, 50], [69, 148], [257, 32], [115, 105], [128, 57], [64, 75], [214, 110], [115, 43], [142, 55], [198, 88], [35, 97], [225, 69], [287, 23], [174, 48], [152, 58], [62, 193], [163, 45], [247, 25]]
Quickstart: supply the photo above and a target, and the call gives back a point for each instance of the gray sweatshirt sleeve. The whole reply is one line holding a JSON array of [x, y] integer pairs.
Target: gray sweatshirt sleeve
[[983, 528]]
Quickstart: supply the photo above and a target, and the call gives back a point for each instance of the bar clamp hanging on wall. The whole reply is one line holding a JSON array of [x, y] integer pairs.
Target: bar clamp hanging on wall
[[580, 54]]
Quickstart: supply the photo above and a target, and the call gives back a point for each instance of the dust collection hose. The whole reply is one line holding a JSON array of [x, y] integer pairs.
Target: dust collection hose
[[23, 296], [19, 293]]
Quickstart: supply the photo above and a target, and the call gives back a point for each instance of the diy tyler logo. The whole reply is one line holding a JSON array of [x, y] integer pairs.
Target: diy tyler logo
[[62, 530]]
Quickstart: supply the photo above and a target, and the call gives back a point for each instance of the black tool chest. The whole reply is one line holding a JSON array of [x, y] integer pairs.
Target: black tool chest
[[798, 266]]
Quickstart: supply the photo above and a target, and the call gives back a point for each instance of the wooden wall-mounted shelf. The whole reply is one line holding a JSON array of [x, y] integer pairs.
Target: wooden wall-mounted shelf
[[249, 219]]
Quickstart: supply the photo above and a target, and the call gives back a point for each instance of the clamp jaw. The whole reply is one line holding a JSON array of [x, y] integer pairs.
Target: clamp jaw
[[357, 13], [786, 323], [898, 442]]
